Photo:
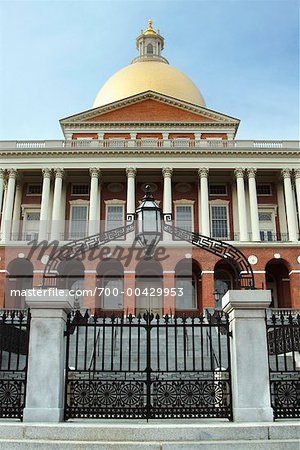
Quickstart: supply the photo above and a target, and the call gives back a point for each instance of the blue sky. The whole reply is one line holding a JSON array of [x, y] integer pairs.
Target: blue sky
[[242, 54]]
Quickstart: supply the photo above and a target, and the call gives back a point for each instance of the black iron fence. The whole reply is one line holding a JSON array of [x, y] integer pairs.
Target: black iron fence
[[14, 340], [283, 335], [148, 367]]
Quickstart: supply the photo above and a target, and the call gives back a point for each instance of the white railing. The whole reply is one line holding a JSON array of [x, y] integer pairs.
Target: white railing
[[147, 143]]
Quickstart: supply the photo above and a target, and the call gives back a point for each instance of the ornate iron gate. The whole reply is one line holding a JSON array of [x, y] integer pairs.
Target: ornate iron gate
[[148, 367], [14, 339], [283, 334]]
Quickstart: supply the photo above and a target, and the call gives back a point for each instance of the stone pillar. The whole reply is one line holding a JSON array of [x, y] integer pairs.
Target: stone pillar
[[167, 196], [205, 228], [94, 215], [9, 203], [131, 173], [44, 216], [16, 212], [1, 189], [249, 355], [289, 204], [239, 173], [46, 358], [297, 185], [56, 209], [255, 236]]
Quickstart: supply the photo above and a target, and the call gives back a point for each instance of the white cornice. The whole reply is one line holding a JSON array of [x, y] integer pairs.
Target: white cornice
[[69, 152]]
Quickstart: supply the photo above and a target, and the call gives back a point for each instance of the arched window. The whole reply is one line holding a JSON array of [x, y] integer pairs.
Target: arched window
[[278, 282], [150, 49], [149, 287], [186, 284], [111, 283], [71, 277], [222, 283], [19, 278]]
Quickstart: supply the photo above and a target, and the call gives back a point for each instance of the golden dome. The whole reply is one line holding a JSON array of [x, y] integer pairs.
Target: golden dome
[[149, 75]]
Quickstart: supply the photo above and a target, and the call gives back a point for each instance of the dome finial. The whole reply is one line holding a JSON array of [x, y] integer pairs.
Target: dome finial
[[150, 24]]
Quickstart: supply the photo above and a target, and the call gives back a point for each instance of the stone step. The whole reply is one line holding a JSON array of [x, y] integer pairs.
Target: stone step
[[281, 444], [152, 432]]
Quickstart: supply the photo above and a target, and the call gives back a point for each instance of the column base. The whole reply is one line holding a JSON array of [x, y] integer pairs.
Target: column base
[[43, 415], [253, 414]]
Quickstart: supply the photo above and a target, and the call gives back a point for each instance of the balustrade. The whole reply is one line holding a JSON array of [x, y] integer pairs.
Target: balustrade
[[135, 143]]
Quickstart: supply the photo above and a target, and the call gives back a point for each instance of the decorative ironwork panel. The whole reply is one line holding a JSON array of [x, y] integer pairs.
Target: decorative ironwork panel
[[148, 367], [283, 334], [14, 339]]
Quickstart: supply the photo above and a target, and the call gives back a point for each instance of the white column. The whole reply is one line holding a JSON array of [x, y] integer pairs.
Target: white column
[[1, 189], [167, 195], [94, 214], [239, 173], [44, 216], [131, 173], [255, 236], [56, 210], [249, 355], [297, 185], [289, 204], [9, 203], [16, 213], [205, 228], [3, 209], [46, 358]]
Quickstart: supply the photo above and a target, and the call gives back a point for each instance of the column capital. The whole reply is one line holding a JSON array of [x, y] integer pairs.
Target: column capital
[[131, 172], [46, 172], [203, 172], [251, 172], [12, 173], [94, 172], [286, 173], [59, 173], [167, 172], [239, 172], [297, 173], [2, 173]]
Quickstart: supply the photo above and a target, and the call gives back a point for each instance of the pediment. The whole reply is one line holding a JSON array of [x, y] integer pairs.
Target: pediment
[[150, 107]]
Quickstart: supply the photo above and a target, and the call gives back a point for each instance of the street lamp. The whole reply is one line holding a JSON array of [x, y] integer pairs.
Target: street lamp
[[149, 223]]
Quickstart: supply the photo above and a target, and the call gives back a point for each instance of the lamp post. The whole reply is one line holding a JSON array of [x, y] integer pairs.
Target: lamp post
[[149, 223]]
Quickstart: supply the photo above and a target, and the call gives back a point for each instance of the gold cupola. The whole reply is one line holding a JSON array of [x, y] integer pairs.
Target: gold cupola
[[149, 71], [150, 44]]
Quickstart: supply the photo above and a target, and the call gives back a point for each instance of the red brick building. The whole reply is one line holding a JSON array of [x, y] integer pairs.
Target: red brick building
[[150, 125]]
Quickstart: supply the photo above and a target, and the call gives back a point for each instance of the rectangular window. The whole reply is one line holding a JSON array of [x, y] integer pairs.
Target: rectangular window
[[78, 221], [114, 216], [80, 189], [264, 189], [219, 221], [184, 217], [34, 189], [267, 225], [217, 189], [31, 225]]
